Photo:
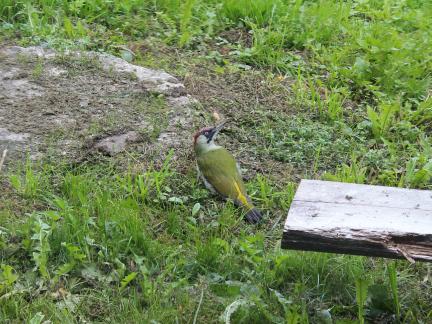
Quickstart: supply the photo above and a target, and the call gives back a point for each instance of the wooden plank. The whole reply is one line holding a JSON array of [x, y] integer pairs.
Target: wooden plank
[[360, 219], [358, 194]]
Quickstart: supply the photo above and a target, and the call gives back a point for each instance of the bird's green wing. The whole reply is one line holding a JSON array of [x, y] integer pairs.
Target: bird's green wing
[[220, 170]]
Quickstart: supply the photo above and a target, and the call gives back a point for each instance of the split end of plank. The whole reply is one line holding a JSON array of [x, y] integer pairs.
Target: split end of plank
[[405, 253]]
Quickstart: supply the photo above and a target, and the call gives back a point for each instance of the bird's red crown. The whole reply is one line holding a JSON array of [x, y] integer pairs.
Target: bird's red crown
[[201, 131]]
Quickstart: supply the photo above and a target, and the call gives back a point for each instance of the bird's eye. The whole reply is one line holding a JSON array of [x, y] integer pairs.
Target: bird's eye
[[206, 133]]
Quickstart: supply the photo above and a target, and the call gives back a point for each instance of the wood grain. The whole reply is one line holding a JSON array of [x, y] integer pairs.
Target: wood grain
[[360, 219]]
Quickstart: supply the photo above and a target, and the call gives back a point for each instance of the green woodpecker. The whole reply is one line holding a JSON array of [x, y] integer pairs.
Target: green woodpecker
[[219, 171]]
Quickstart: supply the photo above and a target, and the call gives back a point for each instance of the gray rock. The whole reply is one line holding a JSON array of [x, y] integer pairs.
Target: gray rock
[[153, 80], [7, 136], [170, 139], [56, 106], [113, 145], [19, 89], [182, 101], [37, 51], [55, 71]]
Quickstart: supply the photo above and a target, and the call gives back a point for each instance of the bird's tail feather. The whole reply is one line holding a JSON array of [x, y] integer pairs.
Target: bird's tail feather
[[253, 216]]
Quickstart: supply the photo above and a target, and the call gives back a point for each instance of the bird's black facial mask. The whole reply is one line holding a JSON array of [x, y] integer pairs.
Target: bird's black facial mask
[[211, 134]]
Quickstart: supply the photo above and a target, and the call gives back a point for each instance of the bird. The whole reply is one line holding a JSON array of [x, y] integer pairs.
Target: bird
[[220, 172]]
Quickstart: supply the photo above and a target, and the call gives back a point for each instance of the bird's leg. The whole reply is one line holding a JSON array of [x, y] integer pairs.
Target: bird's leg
[[198, 173], [239, 169]]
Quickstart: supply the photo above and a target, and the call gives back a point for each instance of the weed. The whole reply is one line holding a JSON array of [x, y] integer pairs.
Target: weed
[[393, 284], [41, 249], [382, 120], [185, 21], [361, 295], [38, 69], [7, 278], [353, 173], [260, 12], [27, 184]]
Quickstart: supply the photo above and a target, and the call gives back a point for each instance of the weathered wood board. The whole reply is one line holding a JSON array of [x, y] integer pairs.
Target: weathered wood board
[[360, 219]]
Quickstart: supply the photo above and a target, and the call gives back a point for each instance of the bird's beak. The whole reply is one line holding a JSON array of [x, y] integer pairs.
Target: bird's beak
[[217, 129]]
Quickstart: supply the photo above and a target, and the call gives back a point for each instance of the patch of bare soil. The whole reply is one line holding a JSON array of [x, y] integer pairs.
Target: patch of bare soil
[[75, 104], [238, 36], [248, 99]]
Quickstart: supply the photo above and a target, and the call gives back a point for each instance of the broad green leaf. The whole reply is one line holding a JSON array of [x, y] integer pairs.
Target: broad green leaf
[[225, 290], [37, 318], [361, 296], [126, 280], [196, 209]]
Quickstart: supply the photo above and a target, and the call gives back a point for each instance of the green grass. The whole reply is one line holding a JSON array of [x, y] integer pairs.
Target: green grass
[[97, 244], [343, 93]]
